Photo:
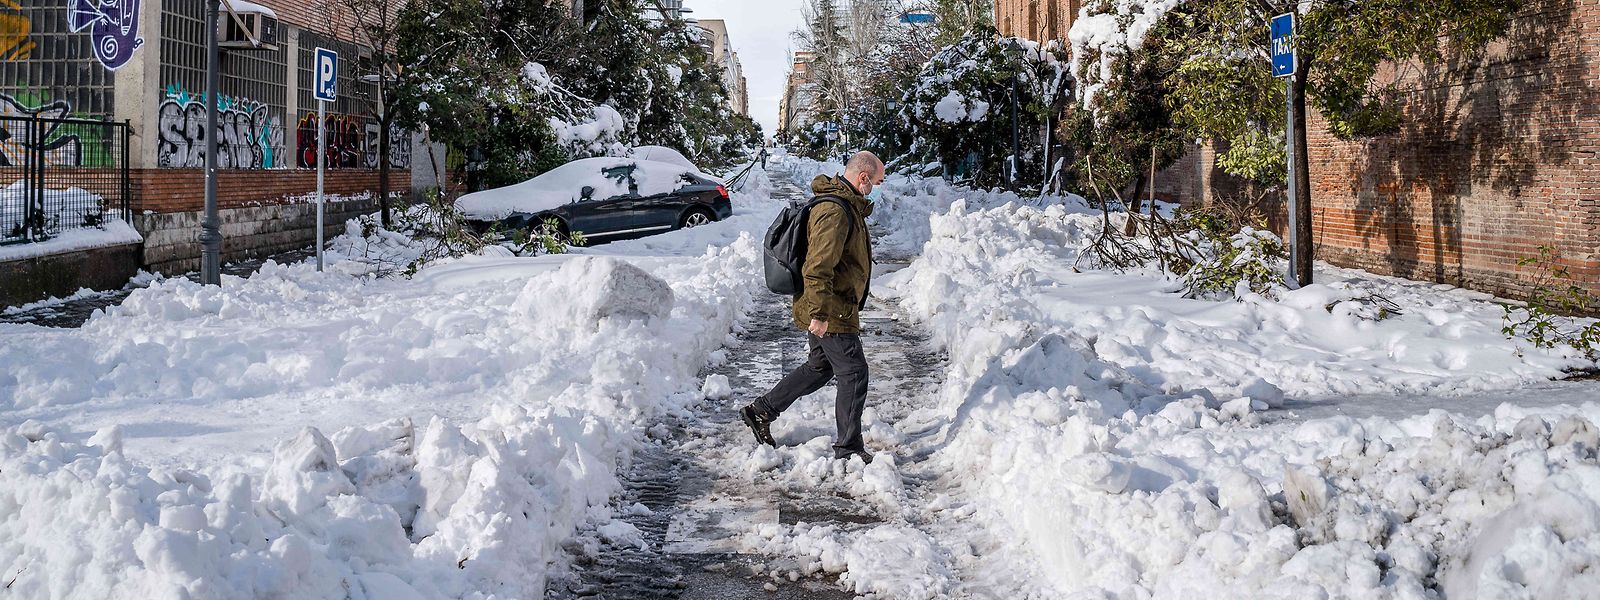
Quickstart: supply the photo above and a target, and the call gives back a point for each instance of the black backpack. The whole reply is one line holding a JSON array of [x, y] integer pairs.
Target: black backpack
[[786, 244]]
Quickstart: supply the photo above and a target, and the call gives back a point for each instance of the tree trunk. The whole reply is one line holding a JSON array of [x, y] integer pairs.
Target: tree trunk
[[1302, 186], [1134, 202], [383, 169]]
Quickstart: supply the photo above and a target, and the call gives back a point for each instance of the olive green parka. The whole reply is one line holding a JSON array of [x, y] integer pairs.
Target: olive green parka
[[838, 267]]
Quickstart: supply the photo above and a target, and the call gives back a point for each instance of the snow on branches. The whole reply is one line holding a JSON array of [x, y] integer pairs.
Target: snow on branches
[[1104, 31], [958, 106]]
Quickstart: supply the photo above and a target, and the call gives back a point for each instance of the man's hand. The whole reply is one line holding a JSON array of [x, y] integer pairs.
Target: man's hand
[[818, 328]]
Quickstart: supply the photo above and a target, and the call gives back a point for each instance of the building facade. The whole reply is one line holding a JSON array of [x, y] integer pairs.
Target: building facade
[[144, 64], [722, 54], [798, 93], [1496, 157], [1037, 20]]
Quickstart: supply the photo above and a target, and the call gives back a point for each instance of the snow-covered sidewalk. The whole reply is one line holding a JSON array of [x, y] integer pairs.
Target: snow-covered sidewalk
[[1108, 435], [1096, 435], [305, 435]]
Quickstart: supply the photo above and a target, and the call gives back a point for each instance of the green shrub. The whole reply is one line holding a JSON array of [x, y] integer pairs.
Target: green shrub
[[1547, 319]]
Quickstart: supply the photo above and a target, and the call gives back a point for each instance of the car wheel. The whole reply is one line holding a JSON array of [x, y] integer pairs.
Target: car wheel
[[695, 218]]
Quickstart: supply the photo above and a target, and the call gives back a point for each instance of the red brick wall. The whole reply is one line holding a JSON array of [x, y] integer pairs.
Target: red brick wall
[[183, 190], [1496, 158]]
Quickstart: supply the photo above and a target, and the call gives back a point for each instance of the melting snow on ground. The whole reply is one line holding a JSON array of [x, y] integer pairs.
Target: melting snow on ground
[[1094, 434], [329, 435]]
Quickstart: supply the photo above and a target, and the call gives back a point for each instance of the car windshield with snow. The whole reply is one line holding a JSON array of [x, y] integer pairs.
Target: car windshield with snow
[[604, 198]]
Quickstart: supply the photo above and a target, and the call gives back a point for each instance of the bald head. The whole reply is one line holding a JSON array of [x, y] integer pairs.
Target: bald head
[[863, 163], [865, 171]]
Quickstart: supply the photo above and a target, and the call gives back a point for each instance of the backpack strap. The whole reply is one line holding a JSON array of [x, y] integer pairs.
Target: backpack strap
[[839, 201]]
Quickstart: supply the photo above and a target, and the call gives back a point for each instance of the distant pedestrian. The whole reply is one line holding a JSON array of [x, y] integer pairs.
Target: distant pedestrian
[[763, 158], [837, 274]]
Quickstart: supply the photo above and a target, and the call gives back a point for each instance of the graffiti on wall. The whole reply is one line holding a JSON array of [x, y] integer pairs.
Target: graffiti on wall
[[352, 143], [113, 28], [67, 144], [343, 144], [14, 30], [399, 146], [249, 135]]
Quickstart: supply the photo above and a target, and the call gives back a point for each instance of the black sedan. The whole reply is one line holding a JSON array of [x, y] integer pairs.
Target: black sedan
[[605, 199]]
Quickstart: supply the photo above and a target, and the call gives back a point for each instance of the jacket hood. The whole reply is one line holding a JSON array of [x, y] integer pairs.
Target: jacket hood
[[830, 185]]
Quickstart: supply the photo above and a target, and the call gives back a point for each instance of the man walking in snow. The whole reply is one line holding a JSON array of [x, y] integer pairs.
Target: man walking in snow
[[763, 157], [837, 274]]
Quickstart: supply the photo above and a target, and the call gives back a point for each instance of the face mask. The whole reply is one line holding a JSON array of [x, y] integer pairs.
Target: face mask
[[875, 195]]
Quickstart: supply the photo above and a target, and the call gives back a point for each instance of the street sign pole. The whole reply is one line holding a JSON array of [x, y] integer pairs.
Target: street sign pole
[[322, 153], [1284, 66], [1294, 214], [326, 89]]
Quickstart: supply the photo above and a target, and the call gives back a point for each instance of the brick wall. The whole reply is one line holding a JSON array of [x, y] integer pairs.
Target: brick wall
[[180, 190], [1496, 157]]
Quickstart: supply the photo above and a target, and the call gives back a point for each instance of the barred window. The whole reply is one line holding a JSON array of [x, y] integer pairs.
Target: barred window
[[253, 89], [48, 69]]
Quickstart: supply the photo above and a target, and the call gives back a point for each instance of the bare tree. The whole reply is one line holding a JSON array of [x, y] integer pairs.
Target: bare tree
[[374, 23]]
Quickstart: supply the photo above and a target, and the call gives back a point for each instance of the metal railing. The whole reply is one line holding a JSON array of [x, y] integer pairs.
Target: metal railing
[[60, 174]]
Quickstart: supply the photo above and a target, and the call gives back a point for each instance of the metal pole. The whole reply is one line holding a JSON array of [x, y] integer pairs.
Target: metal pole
[[322, 160], [1294, 217], [211, 226]]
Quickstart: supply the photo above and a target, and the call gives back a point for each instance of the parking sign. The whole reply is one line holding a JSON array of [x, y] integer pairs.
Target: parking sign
[[326, 69], [1283, 64]]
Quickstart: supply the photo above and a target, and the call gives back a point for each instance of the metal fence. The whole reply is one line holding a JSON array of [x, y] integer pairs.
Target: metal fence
[[58, 175]]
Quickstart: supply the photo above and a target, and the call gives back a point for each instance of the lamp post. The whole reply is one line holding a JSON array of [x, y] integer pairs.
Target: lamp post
[[211, 226]]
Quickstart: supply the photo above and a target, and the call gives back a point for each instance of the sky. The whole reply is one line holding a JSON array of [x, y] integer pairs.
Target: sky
[[760, 32]]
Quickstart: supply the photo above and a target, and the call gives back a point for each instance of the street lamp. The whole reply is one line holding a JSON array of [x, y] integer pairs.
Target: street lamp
[[211, 226], [258, 26]]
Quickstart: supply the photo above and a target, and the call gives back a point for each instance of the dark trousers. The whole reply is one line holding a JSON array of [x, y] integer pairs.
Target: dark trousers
[[838, 356]]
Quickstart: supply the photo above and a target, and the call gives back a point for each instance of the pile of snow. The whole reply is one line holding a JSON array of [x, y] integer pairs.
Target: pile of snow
[[243, 449], [1112, 432], [624, 291], [1311, 342], [902, 215], [564, 185]]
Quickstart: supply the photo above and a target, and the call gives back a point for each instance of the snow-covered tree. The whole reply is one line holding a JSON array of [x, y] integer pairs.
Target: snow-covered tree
[[958, 109], [1223, 87], [521, 86]]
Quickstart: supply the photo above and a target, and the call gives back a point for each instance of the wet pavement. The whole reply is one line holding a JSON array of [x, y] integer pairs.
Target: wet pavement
[[696, 513]]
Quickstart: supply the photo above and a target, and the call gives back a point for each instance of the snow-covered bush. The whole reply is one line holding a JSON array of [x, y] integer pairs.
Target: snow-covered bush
[[1249, 261], [521, 87], [433, 231]]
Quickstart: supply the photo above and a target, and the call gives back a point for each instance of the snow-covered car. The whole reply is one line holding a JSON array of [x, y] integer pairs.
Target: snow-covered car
[[663, 154], [605, 198]]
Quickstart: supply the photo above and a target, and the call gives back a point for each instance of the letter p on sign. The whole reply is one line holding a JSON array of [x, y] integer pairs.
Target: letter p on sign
[[326, 69]]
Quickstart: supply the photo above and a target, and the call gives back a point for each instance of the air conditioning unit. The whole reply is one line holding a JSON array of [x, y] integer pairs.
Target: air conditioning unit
[[247, 26]]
